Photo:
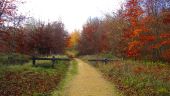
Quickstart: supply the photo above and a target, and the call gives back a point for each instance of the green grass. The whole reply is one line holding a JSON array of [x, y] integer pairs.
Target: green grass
[[98, 56], [74, 68], [56, 56], [13, 58], [60, 91], [39, 80]]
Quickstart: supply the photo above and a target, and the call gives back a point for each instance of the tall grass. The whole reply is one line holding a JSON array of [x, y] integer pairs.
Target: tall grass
[[13, 58], [138, 78]]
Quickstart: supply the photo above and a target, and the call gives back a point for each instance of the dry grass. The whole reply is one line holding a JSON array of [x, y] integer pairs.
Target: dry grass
[[138, 78]]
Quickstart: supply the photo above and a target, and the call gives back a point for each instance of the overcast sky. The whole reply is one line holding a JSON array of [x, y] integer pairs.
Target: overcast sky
[[73, 13]]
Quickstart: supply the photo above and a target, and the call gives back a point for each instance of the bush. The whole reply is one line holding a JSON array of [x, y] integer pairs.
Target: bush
[[13, 58]]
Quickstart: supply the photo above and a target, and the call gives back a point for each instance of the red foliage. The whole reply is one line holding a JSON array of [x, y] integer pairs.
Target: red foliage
[[165, 35], [21, 43], [133, 14], [104, 44], [147, 38]]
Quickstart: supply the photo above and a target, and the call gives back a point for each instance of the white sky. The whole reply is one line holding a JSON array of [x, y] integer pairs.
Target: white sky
[[73, 13]]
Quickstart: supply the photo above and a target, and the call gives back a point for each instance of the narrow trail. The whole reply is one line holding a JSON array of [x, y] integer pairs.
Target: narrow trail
[[89, 82]]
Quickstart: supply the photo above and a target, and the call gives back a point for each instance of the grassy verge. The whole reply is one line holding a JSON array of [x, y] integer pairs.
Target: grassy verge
[[138, 78], [109, 55], [60, 91], [13, 58], [26, 80]]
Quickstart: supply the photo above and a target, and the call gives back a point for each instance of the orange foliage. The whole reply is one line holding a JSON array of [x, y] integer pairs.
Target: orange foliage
[[134, 48], [133, 13], [73, 39], [136, 32], [147, 38], [133, 44]]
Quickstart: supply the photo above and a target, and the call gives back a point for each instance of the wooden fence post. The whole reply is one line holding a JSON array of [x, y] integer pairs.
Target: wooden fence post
[[33, 61], [105, 61], [53, 61]]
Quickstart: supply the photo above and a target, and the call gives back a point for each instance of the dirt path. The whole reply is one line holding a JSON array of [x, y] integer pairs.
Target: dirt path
[[89, 82]]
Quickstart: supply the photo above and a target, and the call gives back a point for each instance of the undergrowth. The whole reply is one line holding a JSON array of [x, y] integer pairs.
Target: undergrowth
[[28, 80], [137, 78]]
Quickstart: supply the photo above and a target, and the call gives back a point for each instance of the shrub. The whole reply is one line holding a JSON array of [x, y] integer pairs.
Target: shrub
[[14, 58]]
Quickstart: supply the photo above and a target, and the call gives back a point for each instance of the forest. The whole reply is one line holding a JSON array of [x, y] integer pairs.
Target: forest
[[138, 34], [139, 30]]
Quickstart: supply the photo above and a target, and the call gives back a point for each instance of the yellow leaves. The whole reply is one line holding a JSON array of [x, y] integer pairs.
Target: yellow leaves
[[74, 38]]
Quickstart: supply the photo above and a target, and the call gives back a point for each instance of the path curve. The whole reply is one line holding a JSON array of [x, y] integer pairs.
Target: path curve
[[89, 82]]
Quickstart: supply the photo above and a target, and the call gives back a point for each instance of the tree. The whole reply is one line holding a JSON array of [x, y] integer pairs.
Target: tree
[[162, 45], [134, 16], [7, 10], [113, 27], [74, 39], [47, 39], [90, 37], [9, 25]]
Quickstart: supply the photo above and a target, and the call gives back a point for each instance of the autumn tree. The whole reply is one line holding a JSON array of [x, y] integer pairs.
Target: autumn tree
[[140, 29], [103, 36], [9, 25], [133, 34], [156, 11], [21, 42], [47, 39], [74, 39], [162, 44], [89, 40], [114, 25], [7, 10]]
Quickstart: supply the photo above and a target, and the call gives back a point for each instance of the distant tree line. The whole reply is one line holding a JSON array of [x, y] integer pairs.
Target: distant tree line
[[140, 30], [34, 37]]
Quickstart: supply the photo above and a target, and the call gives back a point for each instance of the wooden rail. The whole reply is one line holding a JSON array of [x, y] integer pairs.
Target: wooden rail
[[105, 60], [53, 59]]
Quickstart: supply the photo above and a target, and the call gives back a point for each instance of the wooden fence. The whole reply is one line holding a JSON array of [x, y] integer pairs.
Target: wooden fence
[[104, 60], [53, 59]]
